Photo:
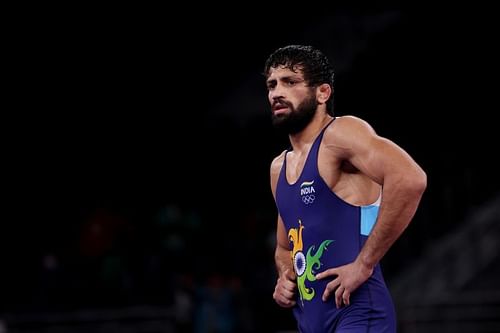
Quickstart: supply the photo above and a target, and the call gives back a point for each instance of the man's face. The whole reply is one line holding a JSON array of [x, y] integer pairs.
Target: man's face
[[293, 103]]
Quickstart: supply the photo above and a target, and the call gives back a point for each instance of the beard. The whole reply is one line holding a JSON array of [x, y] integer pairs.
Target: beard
[[298, 118]]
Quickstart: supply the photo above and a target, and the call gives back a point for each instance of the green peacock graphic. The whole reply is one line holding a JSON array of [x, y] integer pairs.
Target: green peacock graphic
[[305, 266]]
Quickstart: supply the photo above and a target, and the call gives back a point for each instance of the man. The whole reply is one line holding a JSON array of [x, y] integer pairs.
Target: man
[[344, 195]]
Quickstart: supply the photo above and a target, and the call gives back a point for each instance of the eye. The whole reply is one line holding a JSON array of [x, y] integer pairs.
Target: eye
[[271, 85], [292, 81]]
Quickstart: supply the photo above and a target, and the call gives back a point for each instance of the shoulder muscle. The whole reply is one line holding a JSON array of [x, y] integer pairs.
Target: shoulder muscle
[[276, 165], [346, 134]]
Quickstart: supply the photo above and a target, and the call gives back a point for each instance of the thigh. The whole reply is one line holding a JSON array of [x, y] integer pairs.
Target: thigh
[[374, 314]]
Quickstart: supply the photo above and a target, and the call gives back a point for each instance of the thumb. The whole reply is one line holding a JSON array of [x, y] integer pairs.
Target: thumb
[[289, 274]]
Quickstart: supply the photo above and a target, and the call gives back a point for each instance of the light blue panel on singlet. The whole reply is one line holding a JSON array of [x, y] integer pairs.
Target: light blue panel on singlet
[[368, 218]]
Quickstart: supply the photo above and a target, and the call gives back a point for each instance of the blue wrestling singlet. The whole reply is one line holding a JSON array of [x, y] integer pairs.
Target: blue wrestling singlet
[[325, 232]]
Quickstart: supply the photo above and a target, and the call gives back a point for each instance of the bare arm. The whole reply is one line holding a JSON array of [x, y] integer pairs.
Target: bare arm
[[403, 183], [284, 292], [282, 255]]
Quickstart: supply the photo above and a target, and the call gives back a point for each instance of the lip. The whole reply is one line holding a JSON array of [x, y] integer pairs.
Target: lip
[[280, 110]]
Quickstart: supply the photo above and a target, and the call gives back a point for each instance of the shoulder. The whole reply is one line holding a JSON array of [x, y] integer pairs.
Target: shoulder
[[348, 124], [347, 134], [346, 128], [277, 163]]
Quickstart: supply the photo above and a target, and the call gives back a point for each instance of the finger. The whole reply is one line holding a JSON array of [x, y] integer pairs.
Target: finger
[[328, 272], [286, 293], [338, 296], [346, 295], [284, 290], [285, 283], [330, 288], [289, 303], [282, 300], [289, 285], [286, 303]]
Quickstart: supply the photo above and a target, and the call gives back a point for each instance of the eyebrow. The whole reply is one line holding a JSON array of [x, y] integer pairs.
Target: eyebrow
[[297, 78]]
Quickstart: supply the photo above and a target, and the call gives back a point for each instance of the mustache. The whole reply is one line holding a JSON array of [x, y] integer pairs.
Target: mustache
[[280, 102]]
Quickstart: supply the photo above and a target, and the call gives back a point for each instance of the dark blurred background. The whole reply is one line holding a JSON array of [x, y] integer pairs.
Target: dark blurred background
[[137, 155]]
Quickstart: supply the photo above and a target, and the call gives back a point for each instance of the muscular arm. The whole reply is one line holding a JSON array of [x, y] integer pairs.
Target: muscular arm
[[284, 292], [403, 183], [282, 255]]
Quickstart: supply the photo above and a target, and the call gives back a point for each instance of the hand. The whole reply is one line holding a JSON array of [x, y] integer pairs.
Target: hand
[[284, 292], [348, 278]]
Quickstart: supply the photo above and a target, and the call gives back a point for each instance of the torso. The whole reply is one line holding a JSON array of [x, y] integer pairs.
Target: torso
[[327, 209], [342, 178]]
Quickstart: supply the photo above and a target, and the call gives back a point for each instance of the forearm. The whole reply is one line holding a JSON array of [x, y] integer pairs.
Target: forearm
[[283, 260], [400, 199]]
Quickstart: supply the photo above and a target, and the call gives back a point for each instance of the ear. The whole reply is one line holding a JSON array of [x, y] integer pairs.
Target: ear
[[323, 93]]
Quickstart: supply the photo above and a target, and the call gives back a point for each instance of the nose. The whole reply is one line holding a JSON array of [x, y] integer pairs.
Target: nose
[[275, 94]]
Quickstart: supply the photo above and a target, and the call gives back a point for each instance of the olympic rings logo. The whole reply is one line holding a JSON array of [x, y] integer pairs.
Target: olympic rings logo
[[308, 199]]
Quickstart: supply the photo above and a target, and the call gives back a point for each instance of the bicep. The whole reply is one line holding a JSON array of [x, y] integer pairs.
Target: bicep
[[379, 157], [376, 157], [370, 153]]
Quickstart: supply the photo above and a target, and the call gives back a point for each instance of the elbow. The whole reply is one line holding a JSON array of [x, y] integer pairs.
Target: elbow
[[422, 181], [417, 183], [412, 183]]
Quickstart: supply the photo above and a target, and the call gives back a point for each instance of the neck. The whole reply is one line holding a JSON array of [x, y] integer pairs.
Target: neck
[[304, 138]]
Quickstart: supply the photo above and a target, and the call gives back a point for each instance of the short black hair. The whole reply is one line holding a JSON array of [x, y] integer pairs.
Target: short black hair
[[313, 63]]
